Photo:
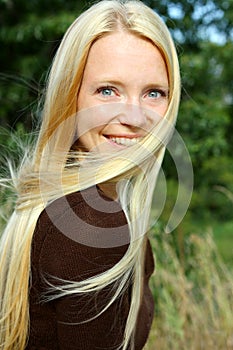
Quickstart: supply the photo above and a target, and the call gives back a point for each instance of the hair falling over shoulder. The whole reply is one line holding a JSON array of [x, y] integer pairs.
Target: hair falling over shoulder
[[35, 185]]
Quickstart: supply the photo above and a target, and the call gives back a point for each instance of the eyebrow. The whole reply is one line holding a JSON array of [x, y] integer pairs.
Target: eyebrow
[[110, 82]]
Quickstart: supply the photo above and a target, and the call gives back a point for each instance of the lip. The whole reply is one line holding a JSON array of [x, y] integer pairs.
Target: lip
[[125, 136]]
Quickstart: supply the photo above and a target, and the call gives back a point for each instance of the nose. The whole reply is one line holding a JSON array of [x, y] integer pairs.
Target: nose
[[133, 115]]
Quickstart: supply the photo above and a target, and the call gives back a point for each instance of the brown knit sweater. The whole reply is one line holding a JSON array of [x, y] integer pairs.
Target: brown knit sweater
[[76, 237]]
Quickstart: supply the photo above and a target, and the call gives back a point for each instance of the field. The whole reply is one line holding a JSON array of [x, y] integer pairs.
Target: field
[[193, 289], [222, 235]]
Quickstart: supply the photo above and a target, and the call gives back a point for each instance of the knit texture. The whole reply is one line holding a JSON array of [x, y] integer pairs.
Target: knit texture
[[79, 236]]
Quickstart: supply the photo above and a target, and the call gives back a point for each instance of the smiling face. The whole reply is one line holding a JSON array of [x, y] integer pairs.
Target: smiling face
[[123, 93]]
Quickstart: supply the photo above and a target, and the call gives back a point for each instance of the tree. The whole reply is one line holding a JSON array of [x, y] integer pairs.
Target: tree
[[30, 33]]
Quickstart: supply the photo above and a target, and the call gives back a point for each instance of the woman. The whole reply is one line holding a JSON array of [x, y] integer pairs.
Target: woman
[[75, 257]]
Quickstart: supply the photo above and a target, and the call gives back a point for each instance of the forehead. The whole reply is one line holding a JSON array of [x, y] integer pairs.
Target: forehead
[[114, 51], [121, 40]]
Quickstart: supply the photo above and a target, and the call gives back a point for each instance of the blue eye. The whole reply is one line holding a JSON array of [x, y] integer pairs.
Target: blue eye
[[154, 94], [105, 91], [157, 94]]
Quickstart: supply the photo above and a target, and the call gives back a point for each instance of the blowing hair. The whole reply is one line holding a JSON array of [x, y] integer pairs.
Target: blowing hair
[[54, 169]]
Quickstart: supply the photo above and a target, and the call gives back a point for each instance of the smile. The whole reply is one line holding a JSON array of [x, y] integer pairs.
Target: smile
[[125, 141]]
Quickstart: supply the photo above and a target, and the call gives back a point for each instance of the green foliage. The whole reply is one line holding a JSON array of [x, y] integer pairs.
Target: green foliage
[[14, 145], [193, 296], [194, 20], [205, 122], [30, 33]]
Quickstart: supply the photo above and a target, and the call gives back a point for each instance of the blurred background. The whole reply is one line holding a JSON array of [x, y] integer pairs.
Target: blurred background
[[29, 36]]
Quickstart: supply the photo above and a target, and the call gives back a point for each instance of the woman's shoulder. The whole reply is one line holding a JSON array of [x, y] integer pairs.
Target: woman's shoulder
[[87, 217], [90, 205]]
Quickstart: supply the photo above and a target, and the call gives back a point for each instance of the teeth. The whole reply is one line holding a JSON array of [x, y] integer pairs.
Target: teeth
[[125, 141]]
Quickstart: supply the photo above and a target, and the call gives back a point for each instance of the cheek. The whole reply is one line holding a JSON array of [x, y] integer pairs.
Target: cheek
[[155, 114], [93, 120], [162, 108]]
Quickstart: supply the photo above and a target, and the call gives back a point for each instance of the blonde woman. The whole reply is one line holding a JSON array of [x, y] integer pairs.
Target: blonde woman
[[75, 256]]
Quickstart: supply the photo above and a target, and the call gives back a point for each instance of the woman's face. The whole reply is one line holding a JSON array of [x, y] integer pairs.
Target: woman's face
[[123, 94]]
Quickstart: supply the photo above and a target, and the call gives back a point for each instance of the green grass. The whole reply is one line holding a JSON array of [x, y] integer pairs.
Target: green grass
[[193, 295], [222, 233], [223, 236]]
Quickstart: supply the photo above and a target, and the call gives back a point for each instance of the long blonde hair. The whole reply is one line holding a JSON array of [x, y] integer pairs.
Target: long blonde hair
[[34, 182]]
